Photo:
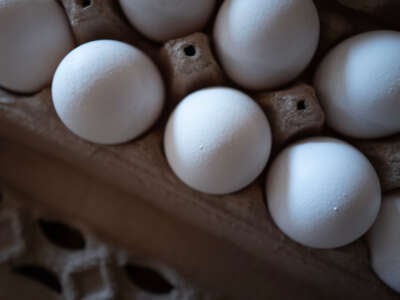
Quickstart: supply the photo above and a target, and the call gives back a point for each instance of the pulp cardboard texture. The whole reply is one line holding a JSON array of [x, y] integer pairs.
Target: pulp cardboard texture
[[33, 242], [189, 65], [205, 247], [292, 112]]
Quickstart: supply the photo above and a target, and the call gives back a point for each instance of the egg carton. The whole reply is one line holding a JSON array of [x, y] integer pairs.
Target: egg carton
[[225, 244], [384, 10], [42, 257]]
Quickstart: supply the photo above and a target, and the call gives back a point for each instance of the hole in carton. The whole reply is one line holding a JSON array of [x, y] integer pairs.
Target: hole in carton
[[301, 105], [148, 280], [41, 275], [85, 3], [62, 235], [189, 50]]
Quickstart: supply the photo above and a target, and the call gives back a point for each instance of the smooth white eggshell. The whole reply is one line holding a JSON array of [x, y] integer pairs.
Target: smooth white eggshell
[[263, 44], [107, 92], [384, 242], [358, 84], [217, 140], [162, 20], [34, 37], [322, 192]]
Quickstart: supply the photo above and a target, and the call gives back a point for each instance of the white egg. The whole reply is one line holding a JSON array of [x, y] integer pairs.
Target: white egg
[[323, 193], [358, 84], [217, 140], [34, 37], [162, 20], [107, 92], [384, 242], [263, 44]]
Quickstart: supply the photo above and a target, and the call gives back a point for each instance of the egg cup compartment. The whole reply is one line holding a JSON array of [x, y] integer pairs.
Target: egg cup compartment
[[226, 244], [189, 64], [385, 156], [95, 19], [292, 112]]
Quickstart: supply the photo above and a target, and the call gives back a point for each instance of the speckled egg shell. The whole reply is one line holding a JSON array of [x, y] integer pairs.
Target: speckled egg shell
[[217, 140], [34, 37], [263, 44], [162, 20], [358, 84], [322, 192], [107, 92], [384, 241]]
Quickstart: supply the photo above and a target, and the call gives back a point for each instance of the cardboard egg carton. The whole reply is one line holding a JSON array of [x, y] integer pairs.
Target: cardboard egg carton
[[70, 263], [226, 246], [387, 11]]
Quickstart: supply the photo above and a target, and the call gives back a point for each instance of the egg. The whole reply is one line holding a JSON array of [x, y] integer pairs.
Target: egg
[[358, 84], [35, 36], [322, 192], [162, 20], [263, 44], [217, 140], [384, 242], [107, 92]]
